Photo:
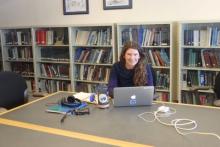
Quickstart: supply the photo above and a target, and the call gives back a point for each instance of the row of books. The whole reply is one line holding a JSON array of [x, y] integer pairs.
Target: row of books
[[30, 85], [85, 87], [210, 36], [197, 99], [18, 37], [94, 37], [92, 73], [93, 55], [162, 80], [25, 69], [202, 58], [54, 70], [158, 57], [55, 54], [57, 36], [15, 53], [51, 86], [198, 78], [164, 96], [147, 36]]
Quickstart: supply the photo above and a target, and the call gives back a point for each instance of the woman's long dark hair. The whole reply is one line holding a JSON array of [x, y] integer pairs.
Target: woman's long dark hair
[[140, 73]]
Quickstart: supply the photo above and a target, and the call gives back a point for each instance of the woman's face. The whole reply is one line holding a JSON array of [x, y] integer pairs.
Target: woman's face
[[132, 57]]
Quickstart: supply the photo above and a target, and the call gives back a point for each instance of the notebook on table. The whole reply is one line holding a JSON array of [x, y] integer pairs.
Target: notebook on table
[[133, 96]]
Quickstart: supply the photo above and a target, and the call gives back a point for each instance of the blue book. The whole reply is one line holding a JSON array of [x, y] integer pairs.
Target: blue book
[[58, 108], [140, 35]]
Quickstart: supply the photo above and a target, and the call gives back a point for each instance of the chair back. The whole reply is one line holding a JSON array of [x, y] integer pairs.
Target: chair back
[[13, 90]]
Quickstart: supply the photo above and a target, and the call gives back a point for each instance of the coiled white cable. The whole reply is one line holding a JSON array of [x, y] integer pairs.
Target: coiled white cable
[[179, 124]]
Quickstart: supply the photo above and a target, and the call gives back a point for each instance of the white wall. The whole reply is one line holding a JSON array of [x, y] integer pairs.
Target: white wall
[[50, 12]]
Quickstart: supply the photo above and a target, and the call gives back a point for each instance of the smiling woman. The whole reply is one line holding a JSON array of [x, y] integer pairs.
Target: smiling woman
[[131, 70]]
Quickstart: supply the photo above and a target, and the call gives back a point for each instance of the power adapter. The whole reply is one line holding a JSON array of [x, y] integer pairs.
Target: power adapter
[[163, 109]]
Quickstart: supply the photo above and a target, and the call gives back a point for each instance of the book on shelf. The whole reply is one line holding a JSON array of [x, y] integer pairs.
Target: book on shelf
[[93, 55], [18, 37], [206, 36], [22, 53], [156, 57], [30, 85], [25, 69], [60, 36], [52, 36], [55, 70], [197, 98], [54, 53], [85, 87], [163, 96], [99, 56], [209, 58], [159, 58], [93, 37], [165, 56], [199, 78], [146, 36], [151, 57], [184, 78], [162, 80], [82, 37], [92, 73], [51, 86]]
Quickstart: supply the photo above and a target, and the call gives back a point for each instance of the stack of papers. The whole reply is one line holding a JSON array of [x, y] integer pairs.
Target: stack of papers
[[87, 97]]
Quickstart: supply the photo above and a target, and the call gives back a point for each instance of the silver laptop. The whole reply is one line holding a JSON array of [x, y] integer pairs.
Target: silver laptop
[[133, 96]]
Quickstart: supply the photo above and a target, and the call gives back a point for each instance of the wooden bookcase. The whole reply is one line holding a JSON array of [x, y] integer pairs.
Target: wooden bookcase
[[93, 53], [17, 53], [52, 58], [156, 40], [199, 62]]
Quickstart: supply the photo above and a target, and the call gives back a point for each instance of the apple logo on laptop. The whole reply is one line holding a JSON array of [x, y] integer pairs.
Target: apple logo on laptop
[[133, 100]]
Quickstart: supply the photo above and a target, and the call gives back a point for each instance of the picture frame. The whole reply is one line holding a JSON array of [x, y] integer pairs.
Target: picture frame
[[72, 7], [117, 4]]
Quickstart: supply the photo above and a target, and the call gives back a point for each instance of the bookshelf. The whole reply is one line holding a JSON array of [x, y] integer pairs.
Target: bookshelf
[[199, 62], [93, 51], [52, 59], [17, 53], [156, 40]]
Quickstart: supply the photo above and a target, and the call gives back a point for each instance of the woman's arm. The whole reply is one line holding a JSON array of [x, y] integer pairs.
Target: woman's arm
[[150, 76], [113, 82]]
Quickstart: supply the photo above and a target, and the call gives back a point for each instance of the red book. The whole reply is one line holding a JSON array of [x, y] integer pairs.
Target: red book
[[43, 37], [38, 36], [159, 58], [213, 59], [207, 59]]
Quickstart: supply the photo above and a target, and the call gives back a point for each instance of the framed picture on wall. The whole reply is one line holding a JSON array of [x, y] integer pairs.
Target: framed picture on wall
[[117, 4], [72, 7]]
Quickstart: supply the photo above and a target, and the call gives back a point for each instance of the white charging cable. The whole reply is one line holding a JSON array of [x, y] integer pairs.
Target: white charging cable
[[179, 124]]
